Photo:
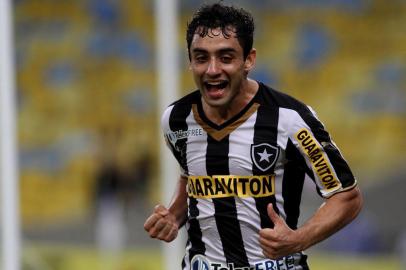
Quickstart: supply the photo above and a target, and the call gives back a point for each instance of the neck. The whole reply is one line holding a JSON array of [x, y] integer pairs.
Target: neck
[[221, 114]]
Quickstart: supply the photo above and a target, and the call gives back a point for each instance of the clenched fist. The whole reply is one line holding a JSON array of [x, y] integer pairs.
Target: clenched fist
[[162, 224]]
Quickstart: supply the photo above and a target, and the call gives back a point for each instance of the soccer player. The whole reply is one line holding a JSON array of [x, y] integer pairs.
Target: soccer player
[[244, 150]]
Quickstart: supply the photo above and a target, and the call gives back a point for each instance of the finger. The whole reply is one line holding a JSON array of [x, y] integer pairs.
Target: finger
[[167, 233], [172, 234], [158, 227], [161, 210], [266, 253], [270, 255], [270, 250], [150, 222], [164, 231], [264, 247], [268, 235], [275, 218], [266, 241], [268, 244], [265, 233]]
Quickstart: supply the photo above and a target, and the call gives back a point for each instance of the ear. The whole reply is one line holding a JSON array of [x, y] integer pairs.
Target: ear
[[250, 61], [190, 58]]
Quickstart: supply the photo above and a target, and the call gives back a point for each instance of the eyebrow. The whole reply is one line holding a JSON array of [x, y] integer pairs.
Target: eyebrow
[[221, 51]]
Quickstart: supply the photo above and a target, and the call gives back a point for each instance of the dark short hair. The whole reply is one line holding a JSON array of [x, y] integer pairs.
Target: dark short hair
[[221, 16]]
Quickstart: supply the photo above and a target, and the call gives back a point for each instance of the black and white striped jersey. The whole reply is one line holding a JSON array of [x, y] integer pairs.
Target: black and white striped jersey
[[260, 156]]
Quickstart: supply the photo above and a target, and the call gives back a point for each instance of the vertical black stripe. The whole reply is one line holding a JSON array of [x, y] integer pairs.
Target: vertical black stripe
[[303, 262], [340, 166], [225, 208], [266, 131], [183, 263], [194, 231], [178, 122], [292, 185]]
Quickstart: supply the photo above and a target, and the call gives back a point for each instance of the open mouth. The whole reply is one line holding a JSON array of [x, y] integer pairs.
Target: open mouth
[[215, 89]]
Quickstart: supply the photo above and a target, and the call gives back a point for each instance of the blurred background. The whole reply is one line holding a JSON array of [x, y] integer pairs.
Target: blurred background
[[88, 129]]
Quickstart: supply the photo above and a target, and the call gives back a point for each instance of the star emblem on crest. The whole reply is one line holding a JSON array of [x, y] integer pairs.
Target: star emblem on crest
[[264, 155]]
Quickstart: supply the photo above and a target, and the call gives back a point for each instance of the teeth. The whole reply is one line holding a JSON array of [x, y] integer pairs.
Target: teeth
[[216, 84]]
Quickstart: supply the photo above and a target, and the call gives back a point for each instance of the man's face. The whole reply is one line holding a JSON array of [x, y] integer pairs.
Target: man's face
[[218, 66]]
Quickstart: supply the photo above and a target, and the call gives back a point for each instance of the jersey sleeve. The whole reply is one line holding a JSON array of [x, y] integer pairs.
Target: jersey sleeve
[[172, 140], [331, 171]]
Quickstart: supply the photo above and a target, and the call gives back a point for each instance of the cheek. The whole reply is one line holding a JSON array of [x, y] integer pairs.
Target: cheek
[[197, 78], [196, 74], [197, 71], [234, 70], [236, 74]]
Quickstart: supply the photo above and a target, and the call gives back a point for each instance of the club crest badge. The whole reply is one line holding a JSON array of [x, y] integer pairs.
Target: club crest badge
[[264, 155]]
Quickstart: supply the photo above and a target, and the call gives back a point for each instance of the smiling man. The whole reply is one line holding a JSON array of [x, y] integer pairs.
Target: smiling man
[[244, 150]]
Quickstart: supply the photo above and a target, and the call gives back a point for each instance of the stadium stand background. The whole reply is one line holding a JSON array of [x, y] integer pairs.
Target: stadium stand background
[[87, 96]]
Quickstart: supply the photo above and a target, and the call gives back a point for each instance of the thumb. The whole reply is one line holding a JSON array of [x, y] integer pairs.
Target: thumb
[[275, 218]]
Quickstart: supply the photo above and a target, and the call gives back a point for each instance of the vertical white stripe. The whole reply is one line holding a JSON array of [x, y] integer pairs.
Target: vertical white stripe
[[240, 163], [196, 162], [240, 141], [284, 126], [196, 147], [187, 257], [282, 140]]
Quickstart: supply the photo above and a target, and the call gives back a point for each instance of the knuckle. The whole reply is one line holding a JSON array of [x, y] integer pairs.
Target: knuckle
[[160, 223], [154, 232]]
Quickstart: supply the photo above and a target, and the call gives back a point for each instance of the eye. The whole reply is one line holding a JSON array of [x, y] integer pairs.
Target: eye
[[200, 58], [226, 59]]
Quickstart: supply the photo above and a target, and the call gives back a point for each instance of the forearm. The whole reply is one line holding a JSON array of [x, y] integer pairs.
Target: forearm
[[164, 223], [178, 205], [334, 214]]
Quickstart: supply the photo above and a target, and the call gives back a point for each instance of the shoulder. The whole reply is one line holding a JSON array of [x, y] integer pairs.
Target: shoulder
[[290, 110], [190, 98], [272, 97], [179, 109]]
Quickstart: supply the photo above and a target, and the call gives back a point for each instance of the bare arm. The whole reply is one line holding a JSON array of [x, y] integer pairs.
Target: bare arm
[[178, 205], [334, 214], [164, 223]]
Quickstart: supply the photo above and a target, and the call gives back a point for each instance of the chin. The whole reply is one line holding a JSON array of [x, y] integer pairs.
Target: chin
[[216, 102], [219, 101]]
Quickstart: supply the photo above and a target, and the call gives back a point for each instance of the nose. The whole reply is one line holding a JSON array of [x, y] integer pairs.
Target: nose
[[213, 68]]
